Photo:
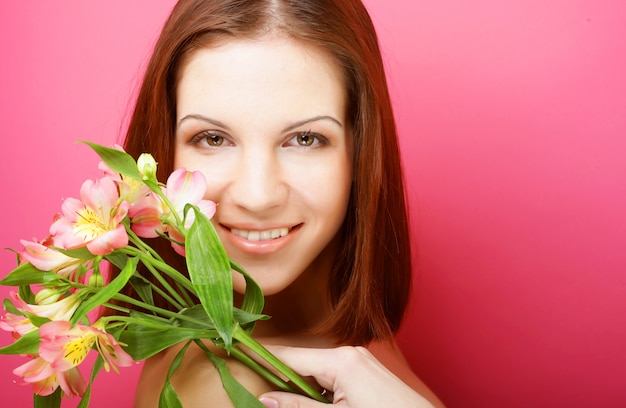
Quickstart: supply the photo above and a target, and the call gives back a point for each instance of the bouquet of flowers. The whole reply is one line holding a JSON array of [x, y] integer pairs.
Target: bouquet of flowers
[[63, 285]]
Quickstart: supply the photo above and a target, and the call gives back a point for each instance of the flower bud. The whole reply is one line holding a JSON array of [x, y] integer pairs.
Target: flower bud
[[96, 280], [47, 296], [147, 166]]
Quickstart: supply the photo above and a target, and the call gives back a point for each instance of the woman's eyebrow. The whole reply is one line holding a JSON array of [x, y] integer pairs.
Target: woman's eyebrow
[[203, 119], [313, 119], [293, 126]]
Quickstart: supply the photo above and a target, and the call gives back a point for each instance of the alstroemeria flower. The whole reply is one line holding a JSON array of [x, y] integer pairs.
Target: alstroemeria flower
[[65, 346], [45, 380], [45, 258], [94, 220], [17, 325], [185, 187], [20, 325], [145, 216]]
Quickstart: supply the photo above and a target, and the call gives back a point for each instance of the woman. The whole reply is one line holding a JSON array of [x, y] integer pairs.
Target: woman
[[283, 105]]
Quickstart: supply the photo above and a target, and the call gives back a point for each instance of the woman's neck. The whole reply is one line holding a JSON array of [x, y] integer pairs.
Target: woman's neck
[[298, 309]]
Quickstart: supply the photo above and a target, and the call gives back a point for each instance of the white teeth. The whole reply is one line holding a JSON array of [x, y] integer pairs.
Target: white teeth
[[261, 235]]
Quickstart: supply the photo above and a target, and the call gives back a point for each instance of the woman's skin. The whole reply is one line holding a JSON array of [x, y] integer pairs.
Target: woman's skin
[[265, 121], [353, 376]]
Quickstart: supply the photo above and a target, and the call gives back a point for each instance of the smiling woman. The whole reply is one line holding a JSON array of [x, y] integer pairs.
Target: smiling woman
[[511, 118], [284, 107]]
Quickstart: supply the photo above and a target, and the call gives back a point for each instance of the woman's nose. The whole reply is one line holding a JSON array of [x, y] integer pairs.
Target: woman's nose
[[258, 183]]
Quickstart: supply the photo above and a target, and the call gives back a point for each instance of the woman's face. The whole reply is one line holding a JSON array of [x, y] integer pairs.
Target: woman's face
[[265, 122]]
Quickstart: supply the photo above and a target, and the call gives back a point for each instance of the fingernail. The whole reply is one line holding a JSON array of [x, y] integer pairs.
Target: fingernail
[[269, 402]]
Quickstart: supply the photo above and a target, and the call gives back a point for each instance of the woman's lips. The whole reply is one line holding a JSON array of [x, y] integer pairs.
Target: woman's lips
[[264, 235], [260, 242]]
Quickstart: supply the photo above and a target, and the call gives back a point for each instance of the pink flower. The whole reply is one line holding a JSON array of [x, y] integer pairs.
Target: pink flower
[[17, 325], [20, 325], [64, 346], [145, 207], [45, 379], [145, 216], [94, 221], [45, 258], [185, 187]]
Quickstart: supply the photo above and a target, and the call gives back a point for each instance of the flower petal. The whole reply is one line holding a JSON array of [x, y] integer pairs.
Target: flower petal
[[34, 370], [100, 195], [109, 241], [72, 382], [48, 259], [185, 187]]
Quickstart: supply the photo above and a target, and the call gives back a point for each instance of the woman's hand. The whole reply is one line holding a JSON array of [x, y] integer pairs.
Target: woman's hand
[[352, 376]]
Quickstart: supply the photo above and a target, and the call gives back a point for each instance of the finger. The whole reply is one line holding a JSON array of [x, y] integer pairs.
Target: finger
[[286, 400], [317, 363]]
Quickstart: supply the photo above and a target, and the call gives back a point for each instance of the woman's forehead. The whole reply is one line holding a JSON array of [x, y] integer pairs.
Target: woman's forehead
[[264, 75]]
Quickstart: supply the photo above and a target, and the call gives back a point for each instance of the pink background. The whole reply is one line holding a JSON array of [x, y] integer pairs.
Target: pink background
[[513, 124]]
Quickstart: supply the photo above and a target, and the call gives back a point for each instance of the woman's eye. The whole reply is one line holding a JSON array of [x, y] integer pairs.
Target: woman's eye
[[305, 139], [214, 140], [210, 138], [309, 139]]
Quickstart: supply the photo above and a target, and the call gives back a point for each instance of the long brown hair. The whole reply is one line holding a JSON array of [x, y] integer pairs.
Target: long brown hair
[[371, 278]]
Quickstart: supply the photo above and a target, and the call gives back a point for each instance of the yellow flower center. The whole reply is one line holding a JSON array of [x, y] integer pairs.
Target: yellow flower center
[[88, 225], [76, 350]]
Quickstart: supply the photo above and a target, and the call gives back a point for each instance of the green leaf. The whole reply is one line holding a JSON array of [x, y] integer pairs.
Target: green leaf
[[27, 344], [142, 343], [238, 394], [78, 253], [244, 318], [253, 300], [210, 273], [197, 312], [26, 294], [49, 401], [97, 366], [118, 259], [27, 274], [117, 160], [37, 320], [10, 308], [168, 397], [143, 287], [108, 291]]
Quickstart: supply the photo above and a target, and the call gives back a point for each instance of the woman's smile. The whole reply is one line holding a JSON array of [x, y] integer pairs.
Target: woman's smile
[[255, 242], [263, 235]]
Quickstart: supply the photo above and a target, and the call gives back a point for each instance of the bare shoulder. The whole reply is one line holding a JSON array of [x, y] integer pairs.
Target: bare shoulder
[[391, 357], [196, 382]]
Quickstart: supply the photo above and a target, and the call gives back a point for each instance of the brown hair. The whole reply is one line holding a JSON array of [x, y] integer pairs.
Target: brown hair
[[370, 281]]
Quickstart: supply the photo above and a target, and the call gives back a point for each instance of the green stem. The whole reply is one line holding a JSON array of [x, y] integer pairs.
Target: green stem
[[158, 310], [202, 333], [262, 370], [179, 301], [242, 336], [183, 284], [160, 265], [156, 257], [167, 202], [117, 307], [142, 245]]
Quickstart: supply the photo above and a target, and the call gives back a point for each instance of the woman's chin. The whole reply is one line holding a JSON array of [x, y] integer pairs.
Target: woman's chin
[[269, 287]]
